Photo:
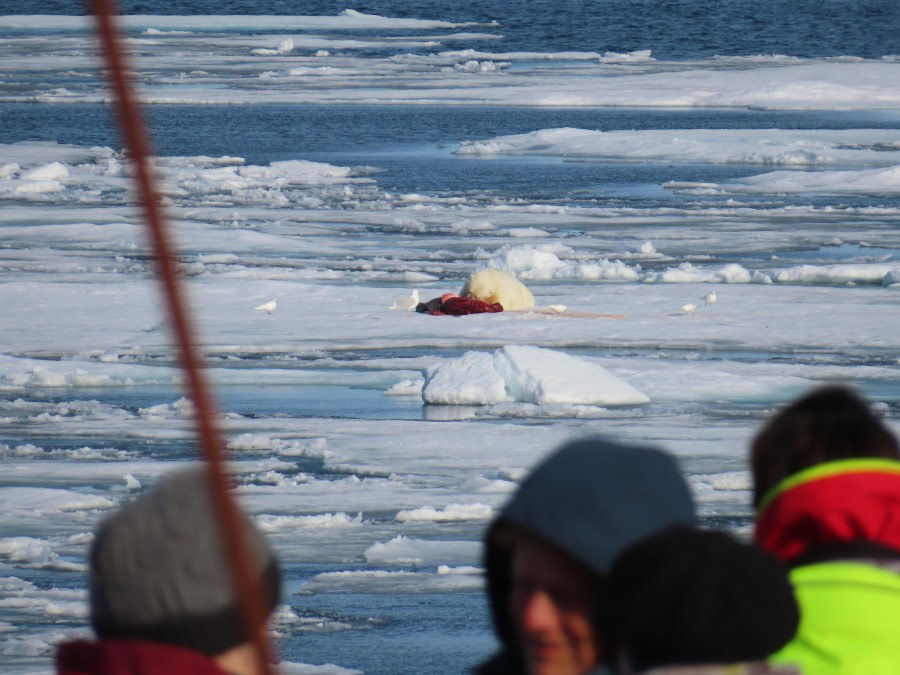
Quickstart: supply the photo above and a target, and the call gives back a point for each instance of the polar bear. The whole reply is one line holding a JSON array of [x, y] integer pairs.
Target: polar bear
[[492, 286]]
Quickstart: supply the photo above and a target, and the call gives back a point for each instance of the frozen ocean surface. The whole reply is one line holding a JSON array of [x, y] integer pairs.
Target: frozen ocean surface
[[338, 161]]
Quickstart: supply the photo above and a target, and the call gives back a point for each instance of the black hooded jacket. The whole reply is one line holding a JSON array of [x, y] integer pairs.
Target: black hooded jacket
[[590, 500]]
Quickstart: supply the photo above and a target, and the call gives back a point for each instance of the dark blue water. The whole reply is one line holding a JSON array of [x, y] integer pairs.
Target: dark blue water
[[673, 29], [412, 146], [415, 633], [265, 133]]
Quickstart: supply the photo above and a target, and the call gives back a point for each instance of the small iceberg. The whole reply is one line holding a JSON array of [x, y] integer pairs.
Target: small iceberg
[[525, 374]]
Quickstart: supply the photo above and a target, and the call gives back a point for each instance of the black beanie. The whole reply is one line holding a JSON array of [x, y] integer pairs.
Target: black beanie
[[158, 570], [688, 596]]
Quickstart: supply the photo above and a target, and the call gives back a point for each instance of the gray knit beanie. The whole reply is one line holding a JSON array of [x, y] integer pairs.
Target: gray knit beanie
[[158, 570]]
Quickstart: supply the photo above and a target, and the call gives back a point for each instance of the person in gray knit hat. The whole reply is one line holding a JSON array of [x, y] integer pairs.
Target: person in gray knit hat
[[161, 590]]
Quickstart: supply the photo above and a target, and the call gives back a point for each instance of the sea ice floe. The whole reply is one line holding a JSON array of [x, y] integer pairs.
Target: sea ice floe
[[292, 668], [275, 523], [445, 579], [32, 553], [525, 374], [402, 550], [405, 388], [544, 263], [450, 513]]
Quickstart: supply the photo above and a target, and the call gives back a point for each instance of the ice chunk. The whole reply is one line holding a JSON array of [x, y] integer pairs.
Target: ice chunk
[[538, 375], [526, 374], [468, 380]]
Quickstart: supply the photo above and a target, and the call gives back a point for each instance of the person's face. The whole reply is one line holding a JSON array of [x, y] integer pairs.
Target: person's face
[[552, 602]]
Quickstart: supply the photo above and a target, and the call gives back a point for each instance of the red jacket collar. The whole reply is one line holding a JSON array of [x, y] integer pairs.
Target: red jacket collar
[[844, 501], [131, 657]]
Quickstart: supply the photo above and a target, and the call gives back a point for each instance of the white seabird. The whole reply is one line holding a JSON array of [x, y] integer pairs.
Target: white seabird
[[269, 306], [407, 304], [689, 309], [709, 298]]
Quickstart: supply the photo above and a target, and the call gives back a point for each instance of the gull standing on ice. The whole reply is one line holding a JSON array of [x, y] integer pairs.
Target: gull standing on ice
[[269, 306], [408, 304], [688, 309], [709, 298]]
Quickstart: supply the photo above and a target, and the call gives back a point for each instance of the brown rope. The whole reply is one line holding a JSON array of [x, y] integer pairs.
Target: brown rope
[[247, 584]]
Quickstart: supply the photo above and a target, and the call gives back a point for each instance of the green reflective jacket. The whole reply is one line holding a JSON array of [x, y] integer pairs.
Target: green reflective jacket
[[849, 608], [850, 620]]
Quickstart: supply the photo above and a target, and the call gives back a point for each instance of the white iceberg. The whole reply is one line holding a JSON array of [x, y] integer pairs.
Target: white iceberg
[[525, 374]]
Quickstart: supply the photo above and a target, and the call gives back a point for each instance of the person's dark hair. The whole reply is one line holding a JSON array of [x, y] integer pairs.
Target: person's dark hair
[[830, 423], [687, 596]]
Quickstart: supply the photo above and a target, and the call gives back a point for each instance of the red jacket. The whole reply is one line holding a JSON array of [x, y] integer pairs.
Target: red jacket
[[852, 500], [838, 525], [131, 657]]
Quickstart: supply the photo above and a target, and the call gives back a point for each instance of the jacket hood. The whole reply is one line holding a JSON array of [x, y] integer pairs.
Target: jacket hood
[[590, 500], [847, 501]]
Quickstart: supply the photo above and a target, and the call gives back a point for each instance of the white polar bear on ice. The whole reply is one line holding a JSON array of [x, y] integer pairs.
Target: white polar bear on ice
[[492, 286]]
